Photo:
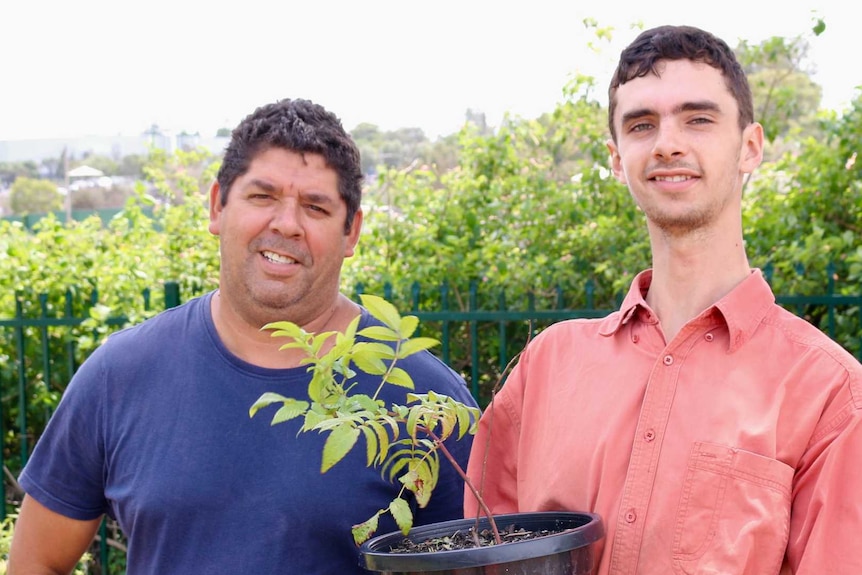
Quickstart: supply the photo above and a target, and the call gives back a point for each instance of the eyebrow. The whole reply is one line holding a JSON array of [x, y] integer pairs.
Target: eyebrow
[[698, 106], [313, 196], [262, 184]]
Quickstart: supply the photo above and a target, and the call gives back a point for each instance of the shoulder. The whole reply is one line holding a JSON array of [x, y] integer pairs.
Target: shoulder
[[172, 332], [170, 322], [800, 336], [804, 345], [564, 333]]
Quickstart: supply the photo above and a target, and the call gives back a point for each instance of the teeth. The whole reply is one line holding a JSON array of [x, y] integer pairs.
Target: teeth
[[273, 257], [672, 178]]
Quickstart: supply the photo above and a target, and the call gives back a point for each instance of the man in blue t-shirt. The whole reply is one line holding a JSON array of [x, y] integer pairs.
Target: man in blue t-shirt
[[153, 429]]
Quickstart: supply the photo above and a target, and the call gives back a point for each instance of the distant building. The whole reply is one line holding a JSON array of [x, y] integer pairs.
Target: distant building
[[114, 147]]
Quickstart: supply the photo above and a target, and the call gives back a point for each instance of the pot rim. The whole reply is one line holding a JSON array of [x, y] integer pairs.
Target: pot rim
[[587, 528]]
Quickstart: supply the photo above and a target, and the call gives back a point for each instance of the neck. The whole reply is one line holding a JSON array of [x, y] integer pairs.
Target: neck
[[690, 275], [246, 340]]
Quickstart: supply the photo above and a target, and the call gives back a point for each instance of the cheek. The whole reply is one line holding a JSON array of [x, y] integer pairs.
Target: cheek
[[619, 170]]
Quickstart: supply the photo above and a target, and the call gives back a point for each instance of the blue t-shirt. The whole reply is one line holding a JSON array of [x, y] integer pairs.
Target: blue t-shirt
[[154, 430]]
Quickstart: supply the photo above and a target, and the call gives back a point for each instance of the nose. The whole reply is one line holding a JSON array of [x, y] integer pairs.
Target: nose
[[285, 219], [669, 142]]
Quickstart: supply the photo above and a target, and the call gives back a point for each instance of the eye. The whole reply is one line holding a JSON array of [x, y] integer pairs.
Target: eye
[[701, 120], [640, 127], [318, 209], [259, 195]]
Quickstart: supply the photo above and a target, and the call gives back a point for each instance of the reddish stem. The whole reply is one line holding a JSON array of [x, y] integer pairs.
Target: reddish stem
[[468, 483]]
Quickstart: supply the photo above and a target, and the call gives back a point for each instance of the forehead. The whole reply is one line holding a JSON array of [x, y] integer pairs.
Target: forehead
[[281, 166], [677, 82]]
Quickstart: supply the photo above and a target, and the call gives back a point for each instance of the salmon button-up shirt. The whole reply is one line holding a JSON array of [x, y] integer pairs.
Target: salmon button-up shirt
[[734, 449]]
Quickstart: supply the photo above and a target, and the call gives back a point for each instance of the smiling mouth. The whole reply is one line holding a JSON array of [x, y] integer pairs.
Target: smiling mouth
[[278, 259], [672, 178]]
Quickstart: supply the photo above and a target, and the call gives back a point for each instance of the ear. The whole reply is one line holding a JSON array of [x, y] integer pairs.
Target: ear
[[353, 234], [215, 208], [751, 154], [616, 161]]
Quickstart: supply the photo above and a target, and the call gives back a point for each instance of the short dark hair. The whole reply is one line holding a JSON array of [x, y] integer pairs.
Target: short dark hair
[[681, 43], [299, 126]]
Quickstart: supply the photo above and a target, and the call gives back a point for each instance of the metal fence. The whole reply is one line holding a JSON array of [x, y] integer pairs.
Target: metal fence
[[36, 350]]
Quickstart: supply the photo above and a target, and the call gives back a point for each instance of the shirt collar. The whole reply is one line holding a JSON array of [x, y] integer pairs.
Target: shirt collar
[[742, 309], [633, 300]]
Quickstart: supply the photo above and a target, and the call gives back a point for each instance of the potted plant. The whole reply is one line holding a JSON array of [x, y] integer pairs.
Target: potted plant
[[406, 441]]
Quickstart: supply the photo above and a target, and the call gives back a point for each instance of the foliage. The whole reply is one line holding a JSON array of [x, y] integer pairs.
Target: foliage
[[785, 96], [402, 440], [94, 270], [815, 192], [523, 209], [10, 171], [34, 196]]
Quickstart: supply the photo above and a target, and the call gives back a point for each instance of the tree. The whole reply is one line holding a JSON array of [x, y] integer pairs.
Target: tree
[[33, 196], [394, 149], [10, 171], [786, 100]]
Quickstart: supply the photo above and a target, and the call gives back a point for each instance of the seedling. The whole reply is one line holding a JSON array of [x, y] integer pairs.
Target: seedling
[[404, 440]]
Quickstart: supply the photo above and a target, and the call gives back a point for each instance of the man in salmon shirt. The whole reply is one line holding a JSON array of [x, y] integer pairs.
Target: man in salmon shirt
[[712, 430]]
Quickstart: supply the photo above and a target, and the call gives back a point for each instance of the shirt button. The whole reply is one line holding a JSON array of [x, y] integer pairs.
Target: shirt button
[[635, 338], [709, 337], [649, 435], [668, 359], [631, 516]]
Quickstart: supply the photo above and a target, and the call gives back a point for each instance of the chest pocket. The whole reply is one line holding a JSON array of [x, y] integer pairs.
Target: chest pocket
[[734, 512]]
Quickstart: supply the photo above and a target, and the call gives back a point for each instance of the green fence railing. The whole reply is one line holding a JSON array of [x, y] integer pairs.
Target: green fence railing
[[39, 351]]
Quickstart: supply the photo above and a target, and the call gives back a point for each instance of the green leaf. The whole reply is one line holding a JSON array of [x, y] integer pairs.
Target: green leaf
[[339, 443], [382, 439], [381, 350], [292, 408], [467, 418], [350, 332], [413, 420], [416, 344], [265, 400], [398, 461], [370, 363], [408, 326], [286, 329], [382, 310], [317, 387], [372, 453], [400, 378], [363, 531], [447, 421], [400, 511], [380, 333], [423, 481], [319, 340]]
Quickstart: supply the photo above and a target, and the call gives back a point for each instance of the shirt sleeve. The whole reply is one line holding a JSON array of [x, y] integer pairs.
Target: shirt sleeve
[[493, 465], [826, 515], [66, 470]]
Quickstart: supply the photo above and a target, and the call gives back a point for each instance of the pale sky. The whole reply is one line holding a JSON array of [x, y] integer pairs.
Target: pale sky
[[104, 67]]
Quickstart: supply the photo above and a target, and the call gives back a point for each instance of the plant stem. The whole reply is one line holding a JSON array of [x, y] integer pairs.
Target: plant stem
[[468, 483]]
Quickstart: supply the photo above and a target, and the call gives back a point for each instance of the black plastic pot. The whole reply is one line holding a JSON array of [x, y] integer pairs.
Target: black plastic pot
[[572, 552]]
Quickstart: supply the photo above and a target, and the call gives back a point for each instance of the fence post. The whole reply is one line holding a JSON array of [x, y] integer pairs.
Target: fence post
[[172, 294], [22, 379], [474, 342], [444, 325]]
